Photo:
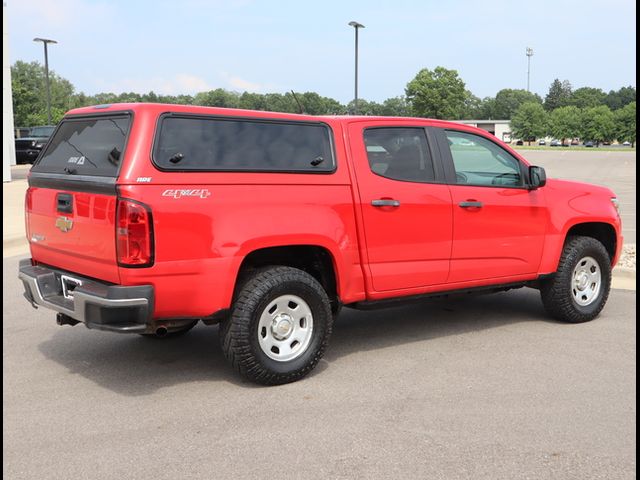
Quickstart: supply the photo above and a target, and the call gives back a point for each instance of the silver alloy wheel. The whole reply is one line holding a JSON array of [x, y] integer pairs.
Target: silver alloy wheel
[[285, 328], [586, 281]]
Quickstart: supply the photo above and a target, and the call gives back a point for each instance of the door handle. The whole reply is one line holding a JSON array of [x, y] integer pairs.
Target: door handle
[[64, 203], [387, 202], [470, 204]]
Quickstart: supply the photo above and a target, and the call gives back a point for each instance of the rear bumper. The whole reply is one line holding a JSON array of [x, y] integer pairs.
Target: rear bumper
[[98, 305]]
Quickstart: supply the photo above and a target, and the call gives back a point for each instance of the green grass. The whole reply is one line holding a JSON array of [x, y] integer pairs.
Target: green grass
[[574, 147]]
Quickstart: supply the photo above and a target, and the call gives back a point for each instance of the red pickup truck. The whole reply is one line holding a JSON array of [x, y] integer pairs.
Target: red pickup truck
[[147, 218]]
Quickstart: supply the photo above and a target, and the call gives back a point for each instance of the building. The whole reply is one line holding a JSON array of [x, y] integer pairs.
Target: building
[[500, 128], [8, 145]]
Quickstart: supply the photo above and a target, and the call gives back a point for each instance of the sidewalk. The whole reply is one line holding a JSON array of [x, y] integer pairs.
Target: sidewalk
[[14, 240]]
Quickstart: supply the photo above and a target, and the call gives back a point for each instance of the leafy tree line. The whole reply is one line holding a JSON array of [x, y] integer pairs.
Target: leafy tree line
[[597, 123], [438, 93]]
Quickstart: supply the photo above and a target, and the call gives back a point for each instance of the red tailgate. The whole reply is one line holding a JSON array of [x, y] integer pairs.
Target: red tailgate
[[81, 240]]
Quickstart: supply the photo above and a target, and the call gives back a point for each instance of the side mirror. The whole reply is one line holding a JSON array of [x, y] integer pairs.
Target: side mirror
[[537, 177]]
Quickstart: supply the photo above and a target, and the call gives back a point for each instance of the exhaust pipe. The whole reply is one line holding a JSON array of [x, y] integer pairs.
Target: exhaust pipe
[[161, 331]]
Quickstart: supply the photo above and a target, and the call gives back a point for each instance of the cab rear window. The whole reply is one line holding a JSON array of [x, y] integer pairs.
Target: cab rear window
[[233, 144], [86, 146]]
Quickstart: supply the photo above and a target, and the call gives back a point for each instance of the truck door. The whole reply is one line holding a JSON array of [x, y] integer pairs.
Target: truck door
[[405, 204], [498, 223]]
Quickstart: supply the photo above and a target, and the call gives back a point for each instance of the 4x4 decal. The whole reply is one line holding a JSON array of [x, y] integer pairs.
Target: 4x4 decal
[[179, 193]]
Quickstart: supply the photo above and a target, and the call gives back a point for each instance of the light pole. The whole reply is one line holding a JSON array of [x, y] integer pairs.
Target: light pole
[[529, 55], [356, 26], [45, 42]]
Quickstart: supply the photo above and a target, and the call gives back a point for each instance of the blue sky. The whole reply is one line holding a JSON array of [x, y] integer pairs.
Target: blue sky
[[263, 46]]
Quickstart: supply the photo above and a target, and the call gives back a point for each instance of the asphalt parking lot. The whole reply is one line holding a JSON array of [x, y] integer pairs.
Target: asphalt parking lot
[[469, 388], [480, 387], [616, 170]]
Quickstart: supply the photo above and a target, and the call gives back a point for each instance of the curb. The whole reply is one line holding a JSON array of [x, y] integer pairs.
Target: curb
[[14, 241], [622, 272]]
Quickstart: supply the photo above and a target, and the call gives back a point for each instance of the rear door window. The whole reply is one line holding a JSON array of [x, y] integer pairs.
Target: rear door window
[[227, 144], [399, 153], [86, 146]]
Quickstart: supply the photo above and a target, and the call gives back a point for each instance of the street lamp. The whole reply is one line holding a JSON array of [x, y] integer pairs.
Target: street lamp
[[529, 55], [45, 42], [356, 26]]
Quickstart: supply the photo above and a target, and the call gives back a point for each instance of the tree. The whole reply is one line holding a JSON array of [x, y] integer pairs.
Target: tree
[[277, 102], [315, 104], [104, 98], [558, 96], [30, 97], [395, 107], [620, 98], [529, 122], [598, 124], [565, 122], [365, 107], [438, 94], [217, 98], [587, 97], [508, 101], [488, 109], [472, 107], [625, 123]]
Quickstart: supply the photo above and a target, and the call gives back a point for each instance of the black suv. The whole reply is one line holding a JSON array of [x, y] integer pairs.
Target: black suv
[[28, 148]]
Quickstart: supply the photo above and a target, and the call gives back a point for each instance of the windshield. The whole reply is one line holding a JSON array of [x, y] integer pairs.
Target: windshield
[[42, 131], [88, 146]]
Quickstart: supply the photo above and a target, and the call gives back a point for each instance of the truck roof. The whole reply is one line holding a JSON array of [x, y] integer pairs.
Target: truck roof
[[196, 109]]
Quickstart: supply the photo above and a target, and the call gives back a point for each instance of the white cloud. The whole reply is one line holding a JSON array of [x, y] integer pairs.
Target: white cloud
[[54, 16], [181, 83], [237, 83], [191, 83]]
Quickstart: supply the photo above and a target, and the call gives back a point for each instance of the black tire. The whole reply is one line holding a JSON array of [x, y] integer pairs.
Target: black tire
[[239, 332], [556, 292], [336, 308], [172, 333]]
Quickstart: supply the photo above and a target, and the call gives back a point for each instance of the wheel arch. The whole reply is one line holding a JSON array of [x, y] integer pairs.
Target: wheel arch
[[604, 232], [318, 261]]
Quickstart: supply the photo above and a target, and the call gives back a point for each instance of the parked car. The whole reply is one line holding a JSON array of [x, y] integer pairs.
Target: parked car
[[626, 144], [555, 143], [147, 218], [575, 141], [588, 144], [28, 148], [519, 142], [21, 132], [542, 142]]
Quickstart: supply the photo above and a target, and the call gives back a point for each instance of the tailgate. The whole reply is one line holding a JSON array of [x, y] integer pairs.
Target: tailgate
[[81, 240], [71, 201]]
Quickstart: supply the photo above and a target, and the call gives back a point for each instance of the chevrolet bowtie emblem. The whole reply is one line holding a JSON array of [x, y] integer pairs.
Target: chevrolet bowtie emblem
[[64, 224]]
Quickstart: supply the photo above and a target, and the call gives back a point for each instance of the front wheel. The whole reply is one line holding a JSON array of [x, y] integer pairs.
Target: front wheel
[[579, 289], [279, 326]]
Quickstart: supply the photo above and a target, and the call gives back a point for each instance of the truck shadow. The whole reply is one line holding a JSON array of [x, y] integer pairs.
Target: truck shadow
[[136, 366], [358, 330]]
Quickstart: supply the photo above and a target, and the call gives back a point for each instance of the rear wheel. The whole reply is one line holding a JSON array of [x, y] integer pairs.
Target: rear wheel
[[579, 289], [279, 326]]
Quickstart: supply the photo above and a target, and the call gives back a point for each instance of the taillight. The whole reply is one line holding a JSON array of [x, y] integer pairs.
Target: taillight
[[28, 202], [134, 234]]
